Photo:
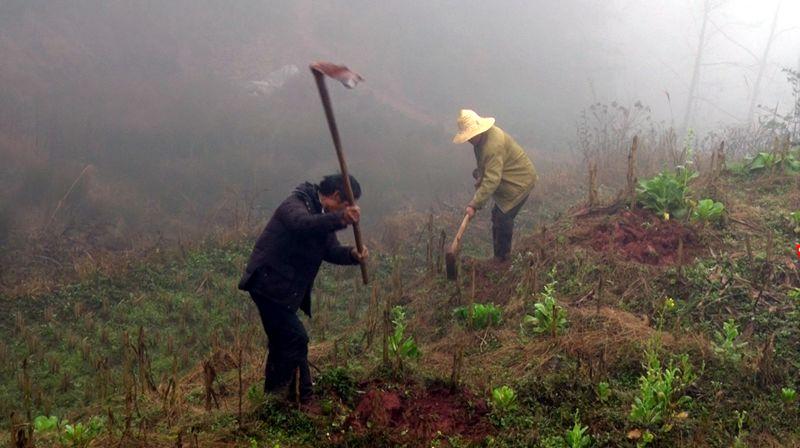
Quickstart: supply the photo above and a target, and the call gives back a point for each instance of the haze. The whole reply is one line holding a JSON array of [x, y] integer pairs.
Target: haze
[[167, 117]]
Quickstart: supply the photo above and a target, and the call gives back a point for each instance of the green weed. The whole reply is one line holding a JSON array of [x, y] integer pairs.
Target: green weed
[[603, 391], [340, 381], [741, 434], [788, 395], [401, 347], [548, 316], [479, 315], [255, 395], [661, 392], [726, 346], [577, 437]]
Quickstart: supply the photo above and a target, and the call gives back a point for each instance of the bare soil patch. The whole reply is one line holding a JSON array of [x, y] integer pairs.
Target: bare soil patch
[[637, 236], [416, 415]]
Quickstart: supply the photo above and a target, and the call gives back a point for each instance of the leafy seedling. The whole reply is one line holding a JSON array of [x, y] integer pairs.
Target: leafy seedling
[[707, 211], [479, 315], [504, 399], [603, 391], [661, 392], [577, 437], [726, 346], [548, 316], [788, 395], [400, 346]]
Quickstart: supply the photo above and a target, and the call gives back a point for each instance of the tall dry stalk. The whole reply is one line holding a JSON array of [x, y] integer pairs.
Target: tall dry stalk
[[26, 384], [429, 248], [440, 252], [592, 199], [373, 312], [145, 372], [472, 286], [209, 375], [765, 272], [21, 433], [631, 177], [241, 388]]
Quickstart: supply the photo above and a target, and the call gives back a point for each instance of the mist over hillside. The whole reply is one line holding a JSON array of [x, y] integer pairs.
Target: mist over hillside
[[120, 118]]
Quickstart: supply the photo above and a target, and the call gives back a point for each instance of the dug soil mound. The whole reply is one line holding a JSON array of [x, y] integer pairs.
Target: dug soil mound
[[638, 236], [416, 415]]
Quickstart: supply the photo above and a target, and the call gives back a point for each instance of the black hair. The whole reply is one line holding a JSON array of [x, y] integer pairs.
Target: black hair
[[335, 182]]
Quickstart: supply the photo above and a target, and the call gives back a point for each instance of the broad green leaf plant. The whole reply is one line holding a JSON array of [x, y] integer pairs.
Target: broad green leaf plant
[[667, 194], [708, 211], [503, 403]]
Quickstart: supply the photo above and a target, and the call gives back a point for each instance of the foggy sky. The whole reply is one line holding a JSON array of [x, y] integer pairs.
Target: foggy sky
[[179, 103]]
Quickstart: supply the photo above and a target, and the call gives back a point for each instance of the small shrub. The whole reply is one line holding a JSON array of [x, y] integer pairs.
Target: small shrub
[[400, 346], [708, 211], [661, 392], [577, 437], [726, 346], [479, 315], [548, 316], [667, 193]]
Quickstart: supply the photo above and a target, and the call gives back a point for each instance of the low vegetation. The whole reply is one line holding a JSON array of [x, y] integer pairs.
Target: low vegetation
[[576, 343]]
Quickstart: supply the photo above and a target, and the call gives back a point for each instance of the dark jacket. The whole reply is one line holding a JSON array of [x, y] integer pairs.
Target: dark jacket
[[290, 250]]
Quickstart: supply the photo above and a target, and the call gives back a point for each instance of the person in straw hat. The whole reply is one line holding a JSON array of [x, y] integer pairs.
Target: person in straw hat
[[504, 172]]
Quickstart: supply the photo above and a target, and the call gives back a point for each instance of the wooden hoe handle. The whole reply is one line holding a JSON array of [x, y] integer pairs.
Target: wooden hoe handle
[[459, 234]]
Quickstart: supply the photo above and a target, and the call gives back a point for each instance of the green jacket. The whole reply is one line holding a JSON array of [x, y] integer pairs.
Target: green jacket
[[506, 172]]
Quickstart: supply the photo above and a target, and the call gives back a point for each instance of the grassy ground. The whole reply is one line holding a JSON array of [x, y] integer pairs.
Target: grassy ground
[[641, 352]]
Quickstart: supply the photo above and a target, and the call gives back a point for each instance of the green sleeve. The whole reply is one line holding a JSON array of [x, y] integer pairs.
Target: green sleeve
[[492, 174]]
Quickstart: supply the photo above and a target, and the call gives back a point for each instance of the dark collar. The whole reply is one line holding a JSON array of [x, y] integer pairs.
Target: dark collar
[[309, 194]]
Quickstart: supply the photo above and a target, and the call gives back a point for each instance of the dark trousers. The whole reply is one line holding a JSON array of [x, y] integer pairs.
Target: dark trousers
[[503, 229], [288, 349]]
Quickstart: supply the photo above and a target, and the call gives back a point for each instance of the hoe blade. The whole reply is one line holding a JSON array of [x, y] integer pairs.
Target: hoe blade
[[338, 72]]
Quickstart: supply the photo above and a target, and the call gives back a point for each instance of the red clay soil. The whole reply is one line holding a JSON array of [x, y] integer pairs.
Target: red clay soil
[[637, 236], [417, 415]]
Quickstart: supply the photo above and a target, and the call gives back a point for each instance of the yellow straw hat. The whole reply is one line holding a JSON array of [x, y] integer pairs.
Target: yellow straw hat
[[471, 124]]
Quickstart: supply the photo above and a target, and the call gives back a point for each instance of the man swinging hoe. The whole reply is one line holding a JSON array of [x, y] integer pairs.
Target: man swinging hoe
[[286, 258]]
